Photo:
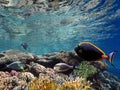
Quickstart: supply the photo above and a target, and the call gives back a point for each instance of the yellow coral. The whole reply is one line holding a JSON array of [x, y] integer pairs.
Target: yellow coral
[[49, 84], [43, 84], [77, 84]]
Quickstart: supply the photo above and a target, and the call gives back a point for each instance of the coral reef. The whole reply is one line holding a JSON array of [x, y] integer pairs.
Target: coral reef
[[105, 81], [8, 82], [26, 76], [15, 55], [58, 78], [49, 84], [39, 73]]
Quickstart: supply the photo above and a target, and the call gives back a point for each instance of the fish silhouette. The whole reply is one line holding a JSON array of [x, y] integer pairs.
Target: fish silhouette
[[24, 45], [63, 67], [89, 52]]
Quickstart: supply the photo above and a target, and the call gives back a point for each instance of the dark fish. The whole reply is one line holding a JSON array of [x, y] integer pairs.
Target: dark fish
[[24, 45], [62, 67], [19, 66], [89, 52]]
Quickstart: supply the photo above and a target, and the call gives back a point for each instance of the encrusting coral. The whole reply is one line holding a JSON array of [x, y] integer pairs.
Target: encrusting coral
[[49, 84]]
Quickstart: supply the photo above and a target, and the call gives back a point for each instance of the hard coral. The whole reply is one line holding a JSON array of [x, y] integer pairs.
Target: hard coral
[[43, 84], [50, 84], [77, 84], [9, 82], [26, 76], [58, 78], [85, 70]]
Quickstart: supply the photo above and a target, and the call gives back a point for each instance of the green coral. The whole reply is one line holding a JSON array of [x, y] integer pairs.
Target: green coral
[[85, 70]]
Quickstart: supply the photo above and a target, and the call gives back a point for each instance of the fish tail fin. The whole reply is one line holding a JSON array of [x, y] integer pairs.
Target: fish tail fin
[[75, 67], [111, 57]]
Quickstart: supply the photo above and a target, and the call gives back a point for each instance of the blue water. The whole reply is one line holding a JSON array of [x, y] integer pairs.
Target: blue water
[[97, 21]]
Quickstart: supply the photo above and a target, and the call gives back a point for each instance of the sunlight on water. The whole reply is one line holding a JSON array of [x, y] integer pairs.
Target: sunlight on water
[[83, 20]]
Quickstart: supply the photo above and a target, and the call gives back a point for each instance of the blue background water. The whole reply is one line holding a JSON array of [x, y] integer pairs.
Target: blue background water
[[97, 21]]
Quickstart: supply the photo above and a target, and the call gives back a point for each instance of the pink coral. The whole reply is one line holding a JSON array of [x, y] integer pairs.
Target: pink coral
[[14, 73]]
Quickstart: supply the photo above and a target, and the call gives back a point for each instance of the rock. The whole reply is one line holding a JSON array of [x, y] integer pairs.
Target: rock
[[64, 56], [50, 71], [2, 55], [47, 62], [100, 65], [26, 76], [105, 81], [15, 55], [36, 69]]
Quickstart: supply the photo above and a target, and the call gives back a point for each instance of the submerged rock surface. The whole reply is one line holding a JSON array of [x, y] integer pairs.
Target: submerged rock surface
[[41, 66]]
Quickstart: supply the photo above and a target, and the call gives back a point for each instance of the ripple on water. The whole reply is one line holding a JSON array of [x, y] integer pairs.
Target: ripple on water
[[82, 20]]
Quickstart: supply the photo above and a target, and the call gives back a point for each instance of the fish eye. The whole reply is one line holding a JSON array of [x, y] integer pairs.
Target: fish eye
[[78, 45], [80, 51]]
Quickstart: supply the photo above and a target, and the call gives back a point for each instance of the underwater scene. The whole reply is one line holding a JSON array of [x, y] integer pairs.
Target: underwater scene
[[59, 44]]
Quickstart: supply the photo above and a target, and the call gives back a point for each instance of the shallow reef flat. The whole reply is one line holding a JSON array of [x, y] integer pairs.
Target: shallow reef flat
[[27, 71]]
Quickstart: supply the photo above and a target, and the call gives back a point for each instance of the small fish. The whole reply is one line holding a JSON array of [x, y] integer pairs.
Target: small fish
[[89, 52], [17, 65], [24, 45], [62, 67]]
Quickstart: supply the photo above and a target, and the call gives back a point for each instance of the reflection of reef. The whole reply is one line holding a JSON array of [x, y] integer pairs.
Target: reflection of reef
[[36, 5], [39, 72], [20, 19]]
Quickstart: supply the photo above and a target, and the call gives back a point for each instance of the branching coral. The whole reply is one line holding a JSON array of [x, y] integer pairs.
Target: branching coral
[[85, 70], [77, 84], [43, 84], [49, 84]]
